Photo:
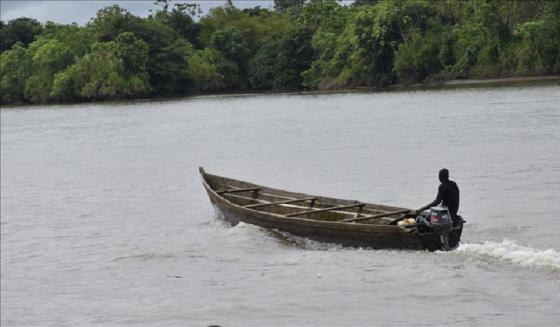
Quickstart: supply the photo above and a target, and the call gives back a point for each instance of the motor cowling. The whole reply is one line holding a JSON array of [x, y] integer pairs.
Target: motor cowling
[[440, 219], [441, 223]]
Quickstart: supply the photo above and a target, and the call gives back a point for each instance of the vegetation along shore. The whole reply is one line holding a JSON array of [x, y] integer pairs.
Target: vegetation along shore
[[296, 45]]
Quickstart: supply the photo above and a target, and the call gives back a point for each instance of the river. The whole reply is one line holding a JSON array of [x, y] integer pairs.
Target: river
[[104, 220]]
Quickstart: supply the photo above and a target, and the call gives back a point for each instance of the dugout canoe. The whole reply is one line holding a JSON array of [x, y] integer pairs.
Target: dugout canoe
[[345, 222]]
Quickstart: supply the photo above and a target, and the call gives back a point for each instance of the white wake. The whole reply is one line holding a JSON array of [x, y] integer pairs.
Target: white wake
[[509, 251]]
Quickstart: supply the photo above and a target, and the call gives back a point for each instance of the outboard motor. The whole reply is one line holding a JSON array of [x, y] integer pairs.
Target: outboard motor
[[441, 223]]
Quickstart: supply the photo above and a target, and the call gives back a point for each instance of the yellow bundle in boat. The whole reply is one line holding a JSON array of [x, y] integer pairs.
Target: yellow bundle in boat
[[405, 222]]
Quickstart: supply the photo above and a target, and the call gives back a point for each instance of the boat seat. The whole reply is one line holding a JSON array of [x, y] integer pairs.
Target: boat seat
[[236, 190]]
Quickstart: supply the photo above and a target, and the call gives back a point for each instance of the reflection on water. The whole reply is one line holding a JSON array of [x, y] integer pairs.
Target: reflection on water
[[104, 219]]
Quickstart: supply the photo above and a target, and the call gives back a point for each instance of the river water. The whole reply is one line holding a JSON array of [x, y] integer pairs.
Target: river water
[[104, 220]]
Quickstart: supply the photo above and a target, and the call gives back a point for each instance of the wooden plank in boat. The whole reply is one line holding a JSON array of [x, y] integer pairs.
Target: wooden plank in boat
[[263, 201], [325, 209], [256, 205], [375, 216], [235, 190]]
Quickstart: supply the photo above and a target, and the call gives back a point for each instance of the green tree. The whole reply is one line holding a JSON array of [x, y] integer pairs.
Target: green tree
[[15, 69], [47, 57], [263, 66], [168, 68], [231, 43], [205, 69], [180, 19], [364, 53], [133, 53], [324, 14], [418, 58], [167, 53], [540, 43], [110, 21], [278, 65], [23, 30], [78, 39], [327, 20], [256, 12], [257, 29], [365, 2], [184, 25], [284, 5], [112, 70]]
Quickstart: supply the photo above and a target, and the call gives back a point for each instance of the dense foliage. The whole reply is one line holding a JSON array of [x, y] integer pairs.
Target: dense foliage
[[295, 45]]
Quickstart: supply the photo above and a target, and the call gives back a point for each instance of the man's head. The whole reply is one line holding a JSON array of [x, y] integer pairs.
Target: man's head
[[443, 175]]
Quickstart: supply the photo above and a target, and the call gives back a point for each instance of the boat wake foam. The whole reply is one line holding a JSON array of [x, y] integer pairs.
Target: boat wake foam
[[285, 238], [510, 252], [311, 245]]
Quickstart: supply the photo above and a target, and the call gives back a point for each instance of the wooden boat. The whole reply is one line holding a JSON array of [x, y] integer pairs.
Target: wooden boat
[[346, 222]]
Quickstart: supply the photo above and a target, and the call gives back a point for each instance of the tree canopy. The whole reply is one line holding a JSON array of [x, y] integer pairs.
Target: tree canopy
[[295, 45]]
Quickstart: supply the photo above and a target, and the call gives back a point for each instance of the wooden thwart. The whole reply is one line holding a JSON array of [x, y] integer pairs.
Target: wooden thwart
[[256, 205], [235, 190], [325, 209], [374, 216]]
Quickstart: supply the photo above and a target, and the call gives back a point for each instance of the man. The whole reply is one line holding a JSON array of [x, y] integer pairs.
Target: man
[[448, 195]]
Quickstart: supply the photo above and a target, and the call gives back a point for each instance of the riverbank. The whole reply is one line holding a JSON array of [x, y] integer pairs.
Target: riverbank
[[475, 83], [449, 84], [499, 81]]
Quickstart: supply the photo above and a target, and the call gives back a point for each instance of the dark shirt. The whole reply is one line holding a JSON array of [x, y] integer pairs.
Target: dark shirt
[[448, 195]]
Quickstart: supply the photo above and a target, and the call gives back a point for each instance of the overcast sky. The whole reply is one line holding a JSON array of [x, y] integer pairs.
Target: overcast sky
[[81, 11]]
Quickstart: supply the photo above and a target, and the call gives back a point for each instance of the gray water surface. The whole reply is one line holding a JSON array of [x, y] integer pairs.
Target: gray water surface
[[104, 220]]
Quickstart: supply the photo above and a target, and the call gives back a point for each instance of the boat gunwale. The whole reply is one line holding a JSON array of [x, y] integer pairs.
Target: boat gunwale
[[313, 222]]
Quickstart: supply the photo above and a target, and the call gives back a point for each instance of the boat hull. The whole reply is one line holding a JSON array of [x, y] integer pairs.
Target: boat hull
[[346, 234]]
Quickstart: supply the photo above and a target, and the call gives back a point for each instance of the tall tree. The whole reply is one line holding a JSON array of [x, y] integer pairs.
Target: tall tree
[[23, 30], [48, 56], [112, 70], [284, 5], [167, 52], [15, 69], [231, 43]]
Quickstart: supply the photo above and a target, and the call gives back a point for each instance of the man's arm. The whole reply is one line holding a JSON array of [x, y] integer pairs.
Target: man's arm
[[431, 204], [437, 201]]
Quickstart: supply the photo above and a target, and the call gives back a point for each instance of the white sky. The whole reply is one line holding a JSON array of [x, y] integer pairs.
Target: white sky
[[81, 11]]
